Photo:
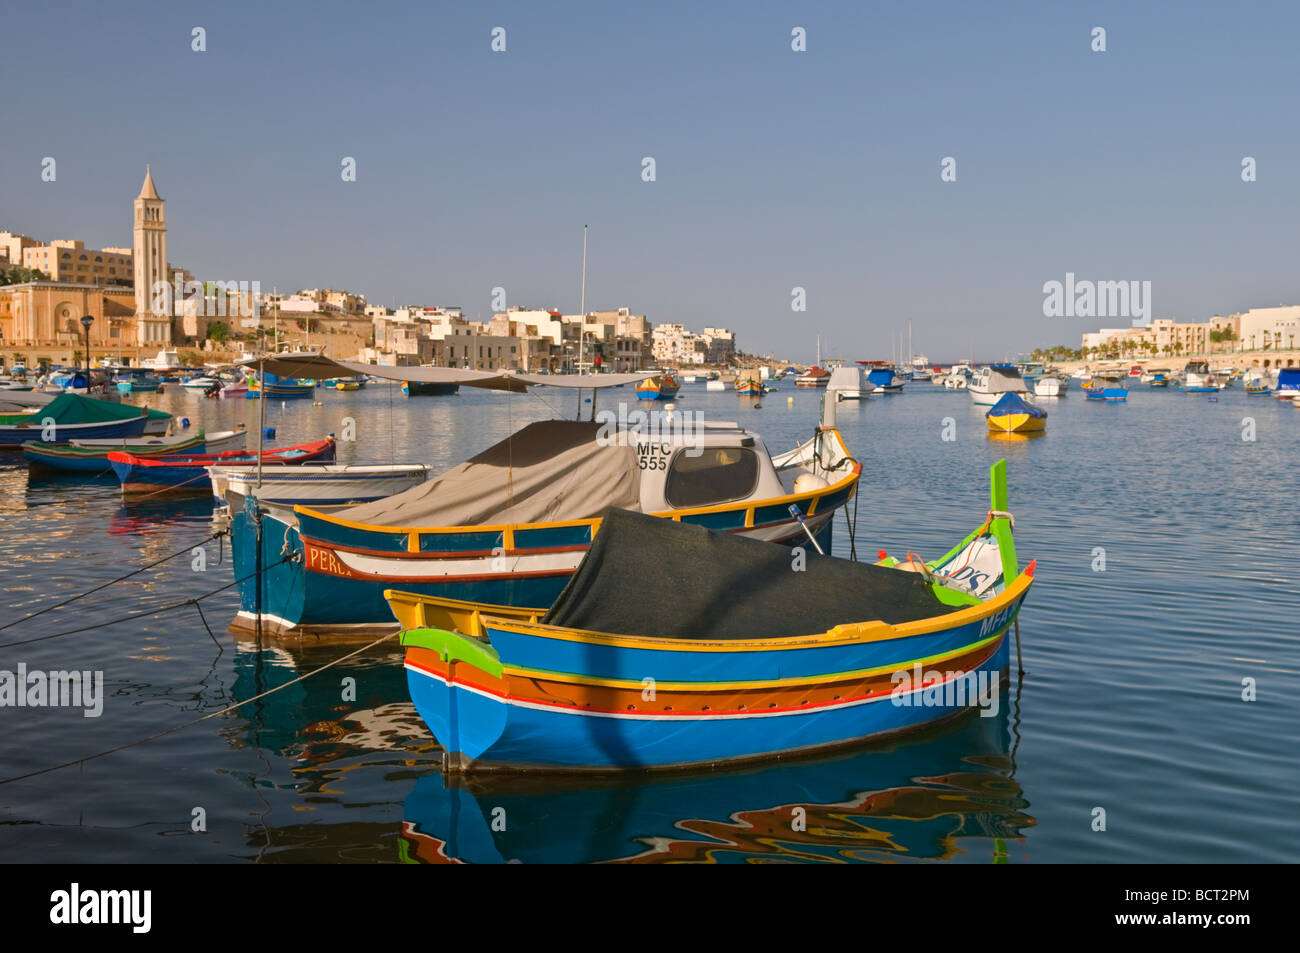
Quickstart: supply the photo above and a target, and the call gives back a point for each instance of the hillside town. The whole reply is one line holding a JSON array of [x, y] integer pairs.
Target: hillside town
[[140, 302]]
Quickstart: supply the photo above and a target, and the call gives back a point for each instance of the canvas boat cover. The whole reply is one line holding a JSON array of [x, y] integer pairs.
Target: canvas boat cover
[[1288, 378], [1012, 403], [654, 577], [75, 409], [1006, 379], [881, 377], [550, 471]]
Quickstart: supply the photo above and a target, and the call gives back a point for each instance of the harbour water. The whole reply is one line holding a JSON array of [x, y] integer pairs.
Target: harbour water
[[1163, 587]]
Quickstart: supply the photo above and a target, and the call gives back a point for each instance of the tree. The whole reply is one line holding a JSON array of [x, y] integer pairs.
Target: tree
[[219, 332]]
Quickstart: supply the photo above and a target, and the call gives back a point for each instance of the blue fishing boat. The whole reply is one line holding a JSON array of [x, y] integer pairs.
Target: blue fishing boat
[[745, 661], [71, 416], [280, 387], [510, 525], [70, 458]]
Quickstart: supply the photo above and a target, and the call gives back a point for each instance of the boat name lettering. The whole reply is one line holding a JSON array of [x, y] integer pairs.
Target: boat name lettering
[[324, 560]]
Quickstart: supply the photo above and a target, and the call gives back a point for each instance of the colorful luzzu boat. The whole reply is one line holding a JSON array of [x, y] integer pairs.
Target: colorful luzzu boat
[[187, 473], [729, 656], [510, 525], [280, 387], [1012, 414], [74, 459], [748, 387], [660, 387]]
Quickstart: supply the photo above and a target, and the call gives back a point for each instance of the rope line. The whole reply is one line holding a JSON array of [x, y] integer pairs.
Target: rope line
[[134, 572], [215, 714], [146, 613]]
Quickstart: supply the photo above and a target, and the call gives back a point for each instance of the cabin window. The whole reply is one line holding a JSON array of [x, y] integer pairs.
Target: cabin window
[[718, 475]]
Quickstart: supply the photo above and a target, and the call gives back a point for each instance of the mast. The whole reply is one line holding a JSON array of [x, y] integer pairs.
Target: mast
[[582, 306]]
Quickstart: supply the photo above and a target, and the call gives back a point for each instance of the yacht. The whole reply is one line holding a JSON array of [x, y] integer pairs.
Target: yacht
[[990, 383]]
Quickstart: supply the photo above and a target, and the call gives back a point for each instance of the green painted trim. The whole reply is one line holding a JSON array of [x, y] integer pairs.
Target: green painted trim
[[953, 597], [454, 647], [1001, 528]]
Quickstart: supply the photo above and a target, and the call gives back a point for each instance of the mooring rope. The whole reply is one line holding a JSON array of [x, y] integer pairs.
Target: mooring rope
[[215, 714], [111, 582], [146, 613]]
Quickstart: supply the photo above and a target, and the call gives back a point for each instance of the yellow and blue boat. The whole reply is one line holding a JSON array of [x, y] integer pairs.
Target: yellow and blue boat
[[510, 525], [275, 386], [749, 387], [659, 387], [1013, 414], [728, 657]]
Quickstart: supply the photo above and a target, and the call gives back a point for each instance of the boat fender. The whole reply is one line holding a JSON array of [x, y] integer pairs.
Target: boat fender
[[185, 423], [268, 433], [808, 482]]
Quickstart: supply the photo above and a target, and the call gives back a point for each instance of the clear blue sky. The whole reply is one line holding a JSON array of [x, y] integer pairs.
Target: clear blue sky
[[775, 169]]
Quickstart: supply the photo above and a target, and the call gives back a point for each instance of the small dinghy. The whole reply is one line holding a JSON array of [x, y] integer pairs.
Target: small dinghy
[[182, 473]]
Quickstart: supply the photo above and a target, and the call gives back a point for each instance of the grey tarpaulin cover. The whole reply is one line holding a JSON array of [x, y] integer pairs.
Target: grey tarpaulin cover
[[650, 576], [549, 471]]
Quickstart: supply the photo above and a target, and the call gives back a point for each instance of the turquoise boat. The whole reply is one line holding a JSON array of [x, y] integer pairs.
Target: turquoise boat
[[74, 416]]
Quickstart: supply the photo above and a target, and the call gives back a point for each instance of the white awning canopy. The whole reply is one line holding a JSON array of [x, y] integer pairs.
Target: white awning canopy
[[312, 365]]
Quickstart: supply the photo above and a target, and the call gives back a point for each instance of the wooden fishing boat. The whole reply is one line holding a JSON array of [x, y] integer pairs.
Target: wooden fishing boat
[[511, 524], [429, 388], [78, 458], [748, 387], [70, 416], [327, 484], [180, 473], [659, 387], [1012, 414], [1258, 389], [280, 387], [728, 657]]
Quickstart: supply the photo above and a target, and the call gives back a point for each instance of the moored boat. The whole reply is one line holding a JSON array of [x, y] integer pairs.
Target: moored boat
[[76, 458], [180, 473], [223, 441], [318, 485], [429, 388], [881, 378], [280, 387], [614, 676], [1052, 385], [748, 387], [988, 384], [1288, 383], [73, 416], [813, 377], [1012, 414], [659, 387], [510, 525]]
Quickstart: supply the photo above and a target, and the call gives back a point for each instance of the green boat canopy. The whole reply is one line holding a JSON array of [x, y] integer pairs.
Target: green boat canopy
[[76, 409]]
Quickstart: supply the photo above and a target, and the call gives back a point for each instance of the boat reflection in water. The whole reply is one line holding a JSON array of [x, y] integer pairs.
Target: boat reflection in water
[[945, 794]]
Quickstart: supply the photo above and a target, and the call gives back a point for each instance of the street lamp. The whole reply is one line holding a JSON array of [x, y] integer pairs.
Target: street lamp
[[86, 321]]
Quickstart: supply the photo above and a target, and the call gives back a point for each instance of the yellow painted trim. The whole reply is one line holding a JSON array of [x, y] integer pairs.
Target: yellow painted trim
[[848, 634], [412, 542], [637, 684]]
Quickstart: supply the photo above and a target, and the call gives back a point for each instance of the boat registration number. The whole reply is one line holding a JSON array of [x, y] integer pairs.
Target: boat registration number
[[653, 456]]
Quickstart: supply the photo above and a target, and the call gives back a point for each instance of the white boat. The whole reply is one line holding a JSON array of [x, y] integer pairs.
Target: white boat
[[223, 441], [990, 383], [1081, 373], [317, 485], [112, 443], [164, 361], [846, 384], [920, 368], [1051, 385], [957, 378], [715, 385], [882, 379], [202, 383]]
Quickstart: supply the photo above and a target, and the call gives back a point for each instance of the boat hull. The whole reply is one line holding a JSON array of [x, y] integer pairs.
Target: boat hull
[[1016, 423], [317, 485], [14, 437], [428, 389], [334, 577], [597, 715], [187, 473]]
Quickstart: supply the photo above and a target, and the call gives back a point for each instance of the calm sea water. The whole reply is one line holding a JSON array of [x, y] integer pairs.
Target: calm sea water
[[1132, 700]]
